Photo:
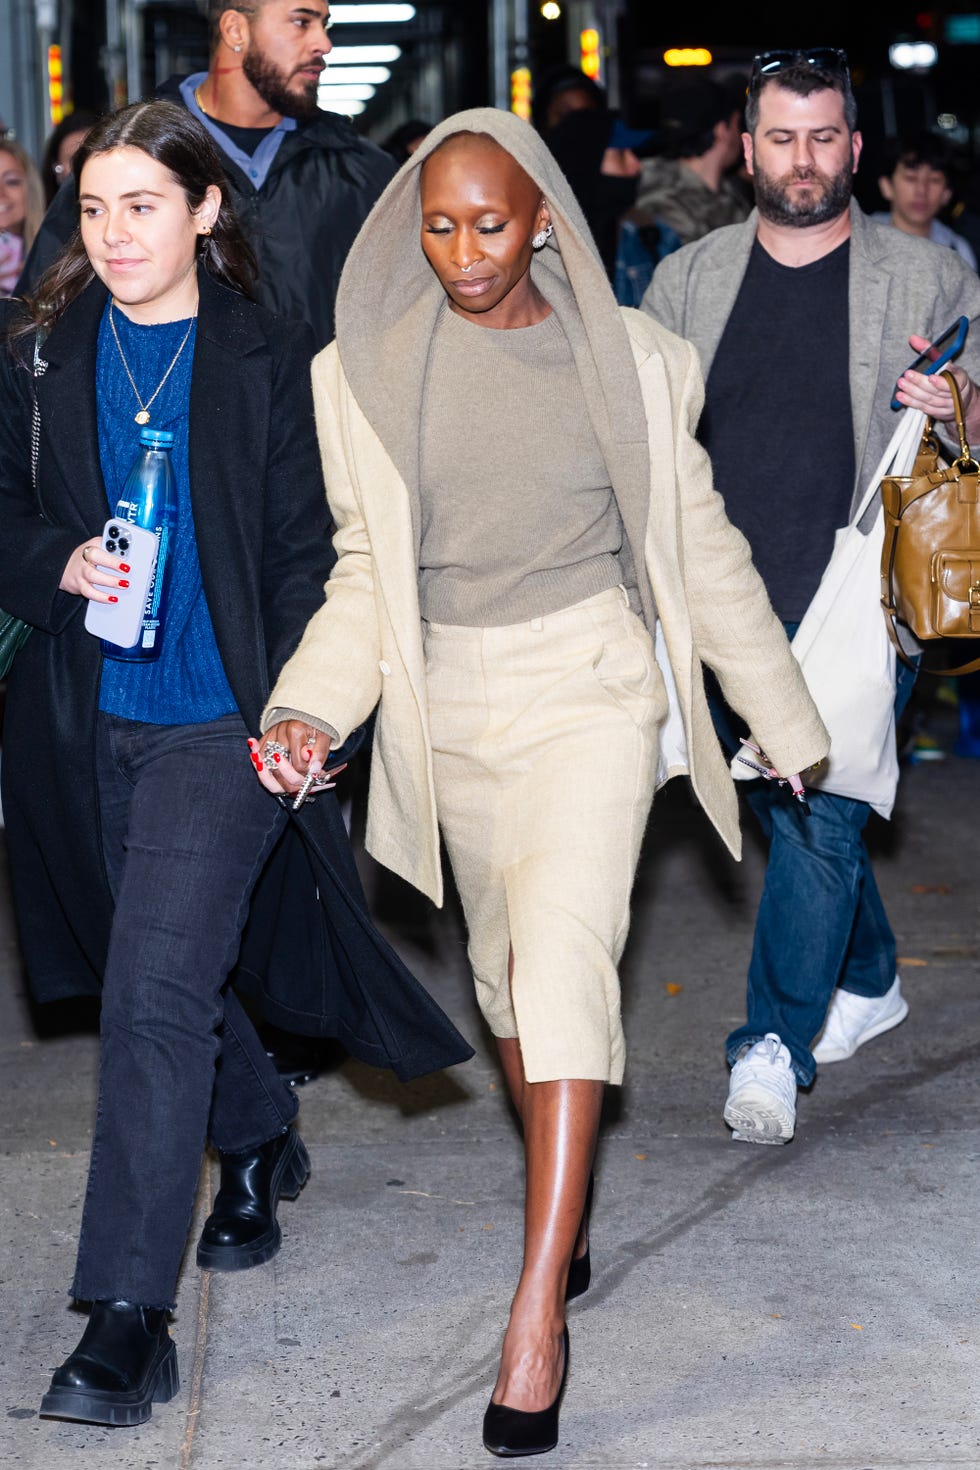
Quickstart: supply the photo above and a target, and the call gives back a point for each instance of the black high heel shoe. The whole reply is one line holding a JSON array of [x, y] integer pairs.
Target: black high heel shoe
[[580, 1270], [242, 1229], [513, 1432], [125, 1362]]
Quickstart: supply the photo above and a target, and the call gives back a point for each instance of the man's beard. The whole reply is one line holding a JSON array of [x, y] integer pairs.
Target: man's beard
[[272, 85], [774, 204]]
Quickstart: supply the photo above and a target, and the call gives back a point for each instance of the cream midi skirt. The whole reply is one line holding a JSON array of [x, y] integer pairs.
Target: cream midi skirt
[[544, 738]]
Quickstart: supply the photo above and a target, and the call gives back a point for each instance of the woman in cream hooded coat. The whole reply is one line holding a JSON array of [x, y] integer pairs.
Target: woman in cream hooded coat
[[524, 516]]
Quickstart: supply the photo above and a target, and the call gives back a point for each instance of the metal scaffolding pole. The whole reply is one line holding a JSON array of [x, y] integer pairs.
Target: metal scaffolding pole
[[500, 52], [21, 79], [114, 54], [603, 16]]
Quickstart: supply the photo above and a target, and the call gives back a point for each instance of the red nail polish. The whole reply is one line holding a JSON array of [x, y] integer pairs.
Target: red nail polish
[[259, 766], [277, 758], [113, 599], [250, 742], [122, 583], [124, 568], [308, 754], [255, 759]]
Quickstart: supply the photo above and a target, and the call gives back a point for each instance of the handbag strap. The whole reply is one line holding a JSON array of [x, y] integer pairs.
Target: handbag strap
[[966, 464], [897, 458], [40, 368]]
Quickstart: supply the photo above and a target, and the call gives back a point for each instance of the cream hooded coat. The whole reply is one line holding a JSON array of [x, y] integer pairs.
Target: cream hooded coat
[[644, 390]]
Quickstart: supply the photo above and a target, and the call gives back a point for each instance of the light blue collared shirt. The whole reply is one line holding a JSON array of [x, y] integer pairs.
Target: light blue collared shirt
[[258, 165]]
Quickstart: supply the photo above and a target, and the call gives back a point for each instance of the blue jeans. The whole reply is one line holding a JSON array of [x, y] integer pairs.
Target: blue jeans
[[186, 830], [821, 922]]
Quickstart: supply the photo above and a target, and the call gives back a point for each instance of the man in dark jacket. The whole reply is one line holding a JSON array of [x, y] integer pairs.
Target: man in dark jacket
[[302, 180]]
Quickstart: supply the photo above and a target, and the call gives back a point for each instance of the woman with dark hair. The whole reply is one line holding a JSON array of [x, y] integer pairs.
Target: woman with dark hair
[[141, 853], [60, 147], [528, 543]]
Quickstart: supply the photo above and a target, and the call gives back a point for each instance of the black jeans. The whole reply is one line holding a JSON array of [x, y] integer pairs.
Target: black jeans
[[186, 829]]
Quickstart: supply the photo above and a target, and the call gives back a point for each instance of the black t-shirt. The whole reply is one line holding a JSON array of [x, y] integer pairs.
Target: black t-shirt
[[777, 420], [247, 139]]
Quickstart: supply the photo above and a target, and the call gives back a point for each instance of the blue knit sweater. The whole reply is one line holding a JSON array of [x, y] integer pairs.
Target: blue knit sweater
[[187, 684]]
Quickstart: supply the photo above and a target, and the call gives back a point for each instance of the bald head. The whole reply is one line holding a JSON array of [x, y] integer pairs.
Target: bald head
[[463, 157]]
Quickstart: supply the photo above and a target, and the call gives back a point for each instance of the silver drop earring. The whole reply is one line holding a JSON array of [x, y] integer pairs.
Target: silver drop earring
[[539, 240]]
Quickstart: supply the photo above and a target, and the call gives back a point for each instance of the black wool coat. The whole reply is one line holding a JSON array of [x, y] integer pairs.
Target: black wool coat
[[263, 535]]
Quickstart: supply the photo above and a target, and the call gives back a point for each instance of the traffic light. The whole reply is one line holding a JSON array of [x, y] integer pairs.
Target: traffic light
[[56, 89], [520, 92], [591, 52]]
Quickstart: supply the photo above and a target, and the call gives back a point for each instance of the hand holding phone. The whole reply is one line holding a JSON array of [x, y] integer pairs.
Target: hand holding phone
[[938, 353], [120, 622]]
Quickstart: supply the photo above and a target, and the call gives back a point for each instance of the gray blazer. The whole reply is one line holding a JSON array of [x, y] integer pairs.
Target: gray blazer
[[899, 284]]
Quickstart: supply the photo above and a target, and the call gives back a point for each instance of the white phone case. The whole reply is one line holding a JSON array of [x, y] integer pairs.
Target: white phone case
[[120, 622]]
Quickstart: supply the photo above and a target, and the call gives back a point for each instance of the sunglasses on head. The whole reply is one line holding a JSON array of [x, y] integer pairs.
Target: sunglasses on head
[[824, 58]]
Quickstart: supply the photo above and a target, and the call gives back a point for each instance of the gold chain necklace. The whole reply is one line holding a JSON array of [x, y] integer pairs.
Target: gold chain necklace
[[143, 417], [197, 99]]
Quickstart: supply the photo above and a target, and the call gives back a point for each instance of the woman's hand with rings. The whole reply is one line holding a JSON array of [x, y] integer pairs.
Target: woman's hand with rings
[[84, 576], [287, 754]]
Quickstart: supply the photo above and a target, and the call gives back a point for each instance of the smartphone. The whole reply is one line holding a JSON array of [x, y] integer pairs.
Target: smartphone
[[939, 352], [121, 622]]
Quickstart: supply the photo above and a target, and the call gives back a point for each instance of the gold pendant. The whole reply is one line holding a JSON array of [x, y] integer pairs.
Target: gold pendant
[[142, 417]]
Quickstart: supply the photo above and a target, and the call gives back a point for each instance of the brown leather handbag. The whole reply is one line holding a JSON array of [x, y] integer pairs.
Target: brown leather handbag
[[930, 559]]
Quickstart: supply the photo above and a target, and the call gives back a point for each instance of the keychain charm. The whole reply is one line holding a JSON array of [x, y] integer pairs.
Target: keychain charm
[[771, 774]]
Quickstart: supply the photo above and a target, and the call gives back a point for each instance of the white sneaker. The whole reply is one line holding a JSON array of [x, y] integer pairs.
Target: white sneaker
[[854, 1019], [761, 1106]]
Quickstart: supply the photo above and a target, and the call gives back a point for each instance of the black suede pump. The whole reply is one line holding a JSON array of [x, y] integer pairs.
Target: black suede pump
[[580, 1270], [513, 1432]]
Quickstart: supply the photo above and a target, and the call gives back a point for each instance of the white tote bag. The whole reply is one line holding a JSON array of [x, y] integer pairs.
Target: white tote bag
[[847, 658]]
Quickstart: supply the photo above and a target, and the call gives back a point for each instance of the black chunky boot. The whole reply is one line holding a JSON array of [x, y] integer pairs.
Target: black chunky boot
[[125, 1362], [242, 1229]]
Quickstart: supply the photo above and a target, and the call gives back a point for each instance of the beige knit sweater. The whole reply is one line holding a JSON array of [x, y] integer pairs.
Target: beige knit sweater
[[517, 515]]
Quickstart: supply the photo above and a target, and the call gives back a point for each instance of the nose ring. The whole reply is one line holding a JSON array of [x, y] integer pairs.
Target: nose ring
[[466, 268]]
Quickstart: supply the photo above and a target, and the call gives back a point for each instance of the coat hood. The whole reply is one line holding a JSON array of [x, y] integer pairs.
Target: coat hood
[[389, 299]]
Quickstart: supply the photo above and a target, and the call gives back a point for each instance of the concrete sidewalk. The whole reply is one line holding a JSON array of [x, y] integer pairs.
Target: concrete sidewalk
[[751, 1308]]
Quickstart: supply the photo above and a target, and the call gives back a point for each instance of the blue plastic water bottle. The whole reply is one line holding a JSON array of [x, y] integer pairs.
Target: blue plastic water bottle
[[149, 499]]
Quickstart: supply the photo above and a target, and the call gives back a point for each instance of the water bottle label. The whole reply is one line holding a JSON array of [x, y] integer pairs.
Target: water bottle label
[[156, 586]]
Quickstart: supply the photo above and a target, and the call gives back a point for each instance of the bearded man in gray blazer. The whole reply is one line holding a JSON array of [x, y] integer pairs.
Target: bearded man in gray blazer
[[803, 317]]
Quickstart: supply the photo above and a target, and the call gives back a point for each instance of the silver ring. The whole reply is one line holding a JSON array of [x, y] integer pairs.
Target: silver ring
[[274, 747]]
